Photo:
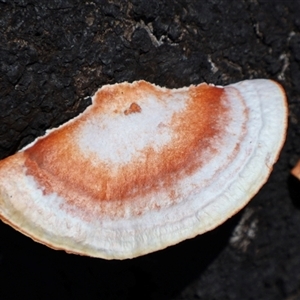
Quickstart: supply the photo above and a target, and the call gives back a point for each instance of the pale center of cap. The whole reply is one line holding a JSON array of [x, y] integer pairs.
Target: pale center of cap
[[115, 137]]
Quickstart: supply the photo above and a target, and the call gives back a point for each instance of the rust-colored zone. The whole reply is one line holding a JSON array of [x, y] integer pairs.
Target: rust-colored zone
[[59, 166]]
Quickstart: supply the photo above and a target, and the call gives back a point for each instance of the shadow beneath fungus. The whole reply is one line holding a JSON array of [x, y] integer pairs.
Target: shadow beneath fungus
[[294, 190], [43, 273]]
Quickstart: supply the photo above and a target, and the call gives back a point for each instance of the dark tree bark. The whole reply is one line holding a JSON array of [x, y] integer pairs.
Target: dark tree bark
[[55, 54]]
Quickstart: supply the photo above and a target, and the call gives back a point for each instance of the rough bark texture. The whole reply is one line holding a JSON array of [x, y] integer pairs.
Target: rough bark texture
[[55, 54]]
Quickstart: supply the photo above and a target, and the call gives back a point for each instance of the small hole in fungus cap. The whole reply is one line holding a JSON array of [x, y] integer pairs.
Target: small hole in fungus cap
[[133, 108]]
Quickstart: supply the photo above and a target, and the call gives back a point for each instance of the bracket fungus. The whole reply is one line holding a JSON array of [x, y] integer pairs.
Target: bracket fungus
[[145, 167]]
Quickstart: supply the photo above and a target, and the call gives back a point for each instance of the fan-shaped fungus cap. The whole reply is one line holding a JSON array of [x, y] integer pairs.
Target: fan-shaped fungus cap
[[145, 167]]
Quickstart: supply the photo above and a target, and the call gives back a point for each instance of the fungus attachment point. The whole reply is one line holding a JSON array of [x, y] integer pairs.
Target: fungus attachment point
[[175, 164]]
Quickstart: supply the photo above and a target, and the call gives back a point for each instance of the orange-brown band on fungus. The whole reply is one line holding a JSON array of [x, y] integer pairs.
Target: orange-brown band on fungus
[[55, 169]]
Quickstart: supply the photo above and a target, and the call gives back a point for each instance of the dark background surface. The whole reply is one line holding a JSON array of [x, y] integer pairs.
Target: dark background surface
[[54, 55]]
